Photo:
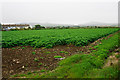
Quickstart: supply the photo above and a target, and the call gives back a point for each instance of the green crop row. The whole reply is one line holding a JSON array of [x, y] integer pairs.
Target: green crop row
[[50, 38]]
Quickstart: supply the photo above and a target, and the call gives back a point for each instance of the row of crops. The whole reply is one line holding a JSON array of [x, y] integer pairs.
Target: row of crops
[[50, 38]]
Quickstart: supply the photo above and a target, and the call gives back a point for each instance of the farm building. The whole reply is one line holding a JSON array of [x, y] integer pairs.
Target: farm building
[[14, 26]]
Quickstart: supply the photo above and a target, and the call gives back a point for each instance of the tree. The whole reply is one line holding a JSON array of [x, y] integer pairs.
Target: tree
[[39, 27]]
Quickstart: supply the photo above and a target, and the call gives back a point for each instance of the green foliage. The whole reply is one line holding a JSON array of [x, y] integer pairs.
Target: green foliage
[[40, 64], [48, 52], [95, 46], [13, 48], [29, 73], [108, 72], [65, 52], [117, 56], [23, 47], [55, 52], [35, 59], [42, 70], [41, 57], [90, 48], [50, 38], [33, 53], [57, 56], [37, 27]]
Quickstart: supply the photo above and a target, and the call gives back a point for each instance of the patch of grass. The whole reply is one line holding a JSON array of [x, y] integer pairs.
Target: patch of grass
[[108, 72], [33, 53]]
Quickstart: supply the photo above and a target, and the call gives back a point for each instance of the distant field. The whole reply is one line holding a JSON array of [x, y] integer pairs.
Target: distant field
[[50, 38]]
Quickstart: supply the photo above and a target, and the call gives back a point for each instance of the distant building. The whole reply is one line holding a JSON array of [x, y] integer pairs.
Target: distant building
[[14, 26]]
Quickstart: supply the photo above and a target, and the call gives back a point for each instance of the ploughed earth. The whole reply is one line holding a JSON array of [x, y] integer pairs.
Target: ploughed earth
[[24, 59]]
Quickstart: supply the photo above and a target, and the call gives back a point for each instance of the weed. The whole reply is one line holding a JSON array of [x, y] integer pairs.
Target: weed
[[65, 52], [90, 48], [40, 64], [33, 53], [80, 51], [34, 48], [35, 59], [41, 57], [57, 56], [55, 52], [29, 73], [42, 70], [23, 47], [96, 46], [62, 51], [48, 52], [94, 50], [117, 56], [13, 48]]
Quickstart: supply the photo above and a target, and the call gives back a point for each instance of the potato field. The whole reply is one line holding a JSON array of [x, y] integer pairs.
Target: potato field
[[61, 53]]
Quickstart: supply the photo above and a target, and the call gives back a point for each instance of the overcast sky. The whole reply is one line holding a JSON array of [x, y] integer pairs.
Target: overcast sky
[[59, 11]]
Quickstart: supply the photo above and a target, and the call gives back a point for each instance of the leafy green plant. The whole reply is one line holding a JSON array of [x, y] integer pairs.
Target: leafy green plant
[[48, 52], [33, 53], [34, 48], [55, 52], [40, 38], [57, 56], [41, 57], [94, 50], [65, 52], [35, 59], [62, 51], [29, 73], [40, 64], [13, 48], [42, 70], [117, 56], [23, 47], [96, 46], [90, 48]]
